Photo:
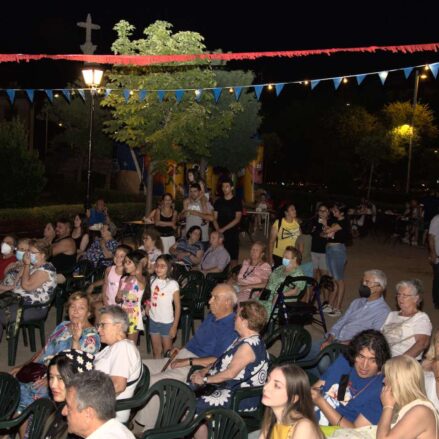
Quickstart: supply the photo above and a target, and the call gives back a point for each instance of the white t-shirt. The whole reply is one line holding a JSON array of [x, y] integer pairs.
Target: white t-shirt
[[162, 294], [434, 230], [400, 331], [430, 387], [122, 359], [112, 429]]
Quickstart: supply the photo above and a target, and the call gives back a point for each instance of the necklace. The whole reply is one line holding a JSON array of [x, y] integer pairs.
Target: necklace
[[250, 270]]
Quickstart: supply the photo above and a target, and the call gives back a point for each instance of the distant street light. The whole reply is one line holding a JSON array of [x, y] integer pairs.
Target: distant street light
[[92, 75]]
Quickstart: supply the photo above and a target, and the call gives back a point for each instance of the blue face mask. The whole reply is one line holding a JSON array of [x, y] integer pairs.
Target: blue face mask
[[19, 255], [286, 262], [33, 259]]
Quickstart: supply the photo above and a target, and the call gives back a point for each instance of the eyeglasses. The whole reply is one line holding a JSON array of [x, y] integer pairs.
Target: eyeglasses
[[102, 324], [404, 295], [370, 283]]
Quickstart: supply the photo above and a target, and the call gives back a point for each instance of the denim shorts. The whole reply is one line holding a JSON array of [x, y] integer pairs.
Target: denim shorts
[[159, 328], [336, 260]]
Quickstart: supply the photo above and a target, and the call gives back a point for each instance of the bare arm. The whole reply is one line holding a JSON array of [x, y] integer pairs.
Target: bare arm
[[32, 282], [233, 223], [422, 343], [66, 246], [120, 384], [177, 313], [215, 220]]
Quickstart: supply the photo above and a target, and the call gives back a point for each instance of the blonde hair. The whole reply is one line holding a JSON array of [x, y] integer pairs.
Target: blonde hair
[[405, 376], [431, 353]]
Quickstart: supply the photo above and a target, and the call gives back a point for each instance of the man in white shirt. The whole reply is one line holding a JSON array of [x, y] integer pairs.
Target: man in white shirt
[[433, 245], [89, 414]]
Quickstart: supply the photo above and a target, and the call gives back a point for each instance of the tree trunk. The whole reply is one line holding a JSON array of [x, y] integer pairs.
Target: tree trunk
[[203, 168], [369, 186], [149, 184], [138, 170]]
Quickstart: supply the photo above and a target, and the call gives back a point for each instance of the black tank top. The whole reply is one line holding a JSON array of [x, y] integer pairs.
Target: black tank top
[[166, 230], [62, 262]]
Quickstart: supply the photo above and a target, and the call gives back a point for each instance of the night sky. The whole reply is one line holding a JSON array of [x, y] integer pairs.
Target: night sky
[[50, 27]]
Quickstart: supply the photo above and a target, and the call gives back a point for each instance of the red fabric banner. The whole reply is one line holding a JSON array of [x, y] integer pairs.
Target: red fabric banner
[[144, 60]]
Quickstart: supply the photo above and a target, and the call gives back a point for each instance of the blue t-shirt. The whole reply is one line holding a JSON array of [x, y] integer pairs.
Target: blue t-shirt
[[96, 217], [367, 403], [213, 337]]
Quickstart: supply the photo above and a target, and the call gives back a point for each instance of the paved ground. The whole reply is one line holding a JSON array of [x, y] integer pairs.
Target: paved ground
[[398, 261]]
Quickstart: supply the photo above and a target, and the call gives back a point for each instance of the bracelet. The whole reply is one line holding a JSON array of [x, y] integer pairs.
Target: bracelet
[[388, 407], [190, 362], [338, 422]]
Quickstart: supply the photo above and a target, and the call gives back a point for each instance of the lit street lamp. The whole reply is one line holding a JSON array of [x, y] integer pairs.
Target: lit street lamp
[[92, 75]]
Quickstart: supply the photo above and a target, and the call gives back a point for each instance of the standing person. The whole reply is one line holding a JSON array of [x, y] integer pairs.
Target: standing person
[[166, 221], [153, 246], [63, 248], [433, 245], [289, 412], [284, 233], [132, 288], [198, 212], [338, 234], [89, 415], [7, 254], [228, 213], [318, 243], [163, 321]]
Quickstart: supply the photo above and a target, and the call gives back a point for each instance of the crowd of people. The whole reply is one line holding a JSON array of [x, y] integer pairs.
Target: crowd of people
[[384, 384]]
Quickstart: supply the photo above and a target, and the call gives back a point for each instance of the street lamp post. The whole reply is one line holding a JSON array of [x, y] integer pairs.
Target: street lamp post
[[92, 75], [415, 101]]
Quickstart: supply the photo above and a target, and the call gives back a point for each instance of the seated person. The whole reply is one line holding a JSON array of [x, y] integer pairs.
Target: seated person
[[254, 272], [188, 251], [430, 366], [80, 233], [243, 364], [408, 330], [348, 393], [211, 339], [216, 258], [63, 248], [7, 256], [120, 358], [12, 270], [290, 268], [101, 250], [98, 214], [405, 399]]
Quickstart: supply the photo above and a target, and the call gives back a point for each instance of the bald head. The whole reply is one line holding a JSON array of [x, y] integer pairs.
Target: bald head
[[223, 300]]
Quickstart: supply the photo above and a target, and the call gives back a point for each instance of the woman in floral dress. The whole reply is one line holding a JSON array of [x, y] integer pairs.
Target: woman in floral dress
[[243, 364]]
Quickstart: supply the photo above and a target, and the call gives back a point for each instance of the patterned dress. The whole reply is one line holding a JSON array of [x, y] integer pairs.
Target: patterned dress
[[132, 293], [59, 340], [253, 375]]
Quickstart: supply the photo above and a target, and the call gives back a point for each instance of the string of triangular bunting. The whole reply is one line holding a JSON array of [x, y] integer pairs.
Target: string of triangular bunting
[[236, 90]]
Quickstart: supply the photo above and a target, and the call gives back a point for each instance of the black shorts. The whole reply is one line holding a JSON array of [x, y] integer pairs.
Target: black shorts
[[231, 244]]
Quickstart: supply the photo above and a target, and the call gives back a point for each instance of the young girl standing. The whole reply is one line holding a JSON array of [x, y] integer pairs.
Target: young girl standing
[[163, 320], [131, 289]]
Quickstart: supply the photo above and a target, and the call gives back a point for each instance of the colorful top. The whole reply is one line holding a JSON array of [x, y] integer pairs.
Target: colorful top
[[287, 234], [162, 296], [251, 275], [95, 254], [113, 280], [276, 278], [132, 293], [253, 375], [44, 293]]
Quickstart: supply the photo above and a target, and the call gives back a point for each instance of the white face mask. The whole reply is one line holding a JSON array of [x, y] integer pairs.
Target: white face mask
[[6, 249]]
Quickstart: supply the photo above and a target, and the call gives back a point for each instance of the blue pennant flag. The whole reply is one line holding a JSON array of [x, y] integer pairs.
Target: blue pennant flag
[[279, 87], [11, 94], [142, 95], [434, 68], [81, 93], [126, 94], [67, 95], [314, 83], [107, 92], [179, 95], [30, 94], [217, 93], [49, 94], [161, 95], [407, 72], [337, 82], [237, 91], [198, 94], [258, 91], [360, 78], [383, 76]]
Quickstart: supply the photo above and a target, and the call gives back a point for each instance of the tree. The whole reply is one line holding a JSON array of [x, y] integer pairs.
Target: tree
[[75, 119], [165, 130], [22, 173]]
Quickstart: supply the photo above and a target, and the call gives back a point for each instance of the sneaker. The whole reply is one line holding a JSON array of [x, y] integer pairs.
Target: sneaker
[[334, 313], [327, 308]]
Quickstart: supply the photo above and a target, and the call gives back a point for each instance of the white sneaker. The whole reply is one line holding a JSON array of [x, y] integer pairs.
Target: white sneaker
[[334, 313], [327, 308]]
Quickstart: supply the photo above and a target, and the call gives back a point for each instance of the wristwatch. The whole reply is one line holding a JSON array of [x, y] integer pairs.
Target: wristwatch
[[205, 380]]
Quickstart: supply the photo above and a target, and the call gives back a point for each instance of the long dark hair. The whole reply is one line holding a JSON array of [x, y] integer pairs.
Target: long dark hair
[[298, 400], [136, 256], [84, 222]]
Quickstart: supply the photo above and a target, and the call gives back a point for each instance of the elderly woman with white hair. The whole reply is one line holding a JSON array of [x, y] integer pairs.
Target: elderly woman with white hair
[[408, 330], [120, 358]]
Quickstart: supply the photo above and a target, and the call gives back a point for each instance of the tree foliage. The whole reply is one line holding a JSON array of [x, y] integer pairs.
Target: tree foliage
[[22, 173]]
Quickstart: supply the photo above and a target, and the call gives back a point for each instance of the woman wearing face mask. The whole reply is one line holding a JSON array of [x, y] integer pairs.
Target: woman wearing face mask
[[12, 270], [7, 256], [290, 268]]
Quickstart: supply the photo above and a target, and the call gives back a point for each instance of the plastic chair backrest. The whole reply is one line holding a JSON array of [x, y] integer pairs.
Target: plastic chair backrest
[[9, 395]]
